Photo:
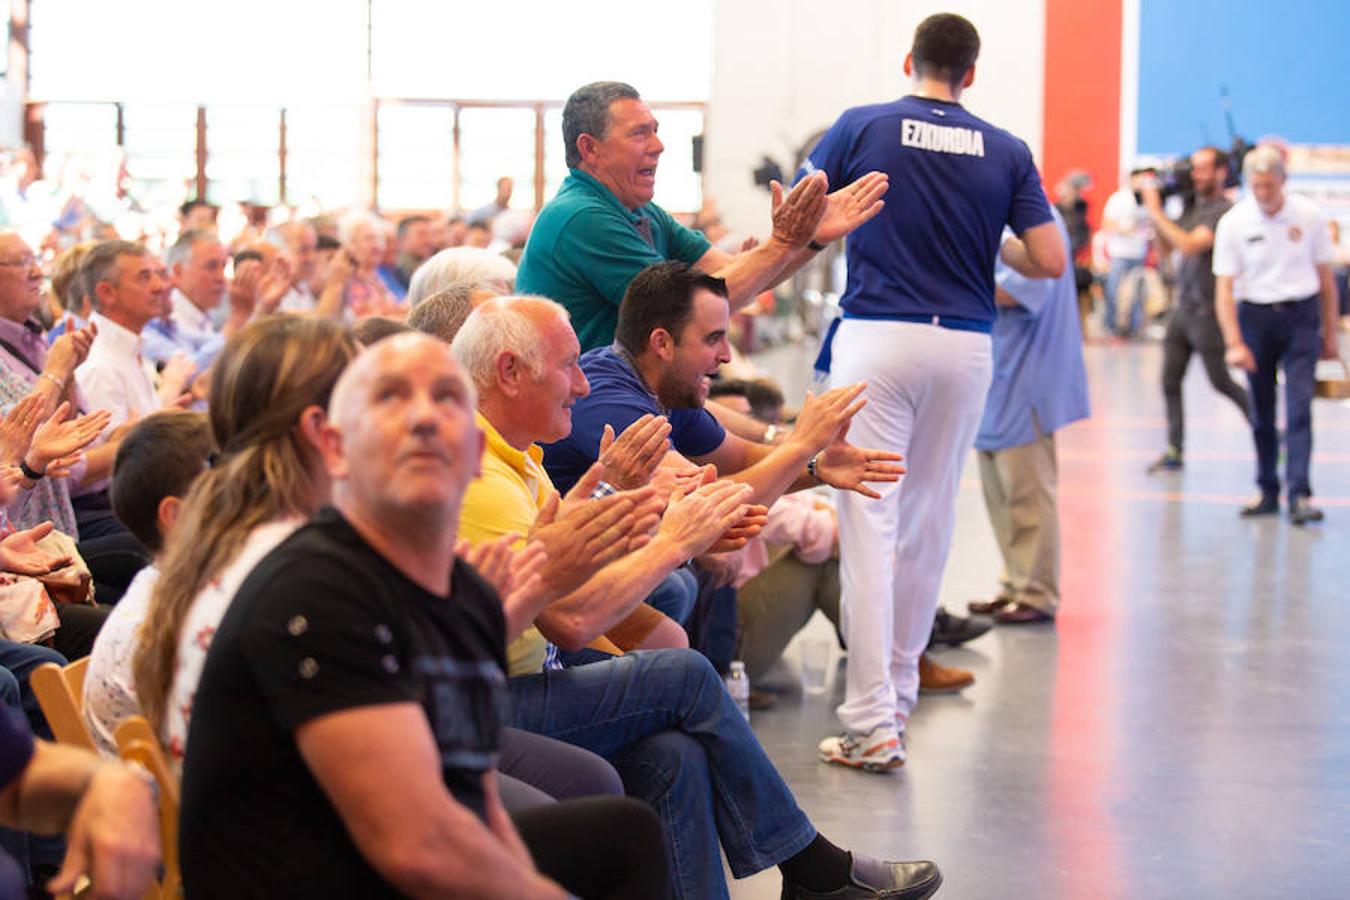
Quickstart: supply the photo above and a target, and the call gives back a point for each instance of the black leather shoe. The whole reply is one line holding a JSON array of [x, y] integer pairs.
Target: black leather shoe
[[874, 878], [1265, 505], [1301, 511], [954, 630]]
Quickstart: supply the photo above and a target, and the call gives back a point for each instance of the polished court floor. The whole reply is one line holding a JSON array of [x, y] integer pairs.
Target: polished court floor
[[1183, 731]]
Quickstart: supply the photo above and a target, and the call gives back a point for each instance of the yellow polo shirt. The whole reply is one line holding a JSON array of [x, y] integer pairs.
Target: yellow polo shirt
[[505, 499]]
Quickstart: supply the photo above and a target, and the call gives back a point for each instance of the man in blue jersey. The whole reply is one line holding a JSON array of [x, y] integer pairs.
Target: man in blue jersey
[[918, 309]]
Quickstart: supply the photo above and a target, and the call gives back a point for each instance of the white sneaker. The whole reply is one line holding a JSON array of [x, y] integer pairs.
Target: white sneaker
[[879, 750]]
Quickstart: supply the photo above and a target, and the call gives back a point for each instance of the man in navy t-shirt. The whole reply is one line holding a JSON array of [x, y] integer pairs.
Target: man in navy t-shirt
[[671, 339], [918, 309]]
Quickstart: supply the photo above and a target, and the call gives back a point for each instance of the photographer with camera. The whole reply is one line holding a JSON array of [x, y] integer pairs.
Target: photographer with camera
[[1193, 326]]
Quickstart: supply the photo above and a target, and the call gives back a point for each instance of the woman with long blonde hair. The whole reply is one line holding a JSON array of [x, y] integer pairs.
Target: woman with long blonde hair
[[269, 390]]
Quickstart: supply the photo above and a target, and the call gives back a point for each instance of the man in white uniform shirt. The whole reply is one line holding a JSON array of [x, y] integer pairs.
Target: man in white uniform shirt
[[123, 281], [1276, 300]]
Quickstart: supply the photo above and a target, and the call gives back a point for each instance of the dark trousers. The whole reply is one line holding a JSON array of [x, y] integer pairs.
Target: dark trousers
[[1282, 335], [1188, 332], [607, 848]]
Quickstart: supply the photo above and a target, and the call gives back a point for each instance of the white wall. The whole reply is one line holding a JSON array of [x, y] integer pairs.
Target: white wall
[[785, 68]]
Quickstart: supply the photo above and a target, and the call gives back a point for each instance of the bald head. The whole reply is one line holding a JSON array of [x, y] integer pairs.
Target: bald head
[[402, 442], [350, 394]]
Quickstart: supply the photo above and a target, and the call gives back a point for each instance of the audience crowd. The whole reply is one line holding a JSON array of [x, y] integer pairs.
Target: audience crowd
[[424, 561]]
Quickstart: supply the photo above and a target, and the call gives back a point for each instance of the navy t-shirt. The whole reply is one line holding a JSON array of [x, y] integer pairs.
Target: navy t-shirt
[[618, 398], [955, 181]]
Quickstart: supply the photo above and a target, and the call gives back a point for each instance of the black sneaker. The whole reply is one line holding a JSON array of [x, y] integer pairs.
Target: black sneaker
[[1301, 511], [1170, 461], [955, 630], [1265, 505]]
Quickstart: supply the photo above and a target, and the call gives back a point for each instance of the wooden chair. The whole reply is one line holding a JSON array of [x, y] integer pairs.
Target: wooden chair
[[60, 693], [137, 742]]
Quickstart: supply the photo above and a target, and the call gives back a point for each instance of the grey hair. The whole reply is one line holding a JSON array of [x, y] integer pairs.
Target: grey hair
[[1261, 160], [353, 220], [502, 325], [181, 251], [587, 112], [478, 268], [442, 314]]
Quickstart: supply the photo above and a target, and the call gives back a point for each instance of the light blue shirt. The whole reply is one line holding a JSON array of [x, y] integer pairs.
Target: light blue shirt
[[1039, 376]]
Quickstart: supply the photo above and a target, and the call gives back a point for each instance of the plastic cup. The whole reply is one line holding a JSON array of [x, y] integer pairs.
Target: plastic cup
[[815, 664]]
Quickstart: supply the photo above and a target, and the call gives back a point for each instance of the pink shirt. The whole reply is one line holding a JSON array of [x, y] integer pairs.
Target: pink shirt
[[795, 520]]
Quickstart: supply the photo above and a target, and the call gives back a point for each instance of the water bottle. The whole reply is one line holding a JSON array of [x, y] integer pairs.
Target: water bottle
[[738, 685]]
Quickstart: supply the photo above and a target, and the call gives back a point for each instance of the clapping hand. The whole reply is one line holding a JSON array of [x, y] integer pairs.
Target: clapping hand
[[797, 216], [630, 460], [851, 206], [20, 553]]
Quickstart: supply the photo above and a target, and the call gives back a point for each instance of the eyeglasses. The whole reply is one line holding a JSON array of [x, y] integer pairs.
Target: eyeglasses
[[23, 262]]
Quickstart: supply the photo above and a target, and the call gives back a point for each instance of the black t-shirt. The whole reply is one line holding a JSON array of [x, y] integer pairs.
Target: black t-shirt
[[1195, 273], [323, 624]]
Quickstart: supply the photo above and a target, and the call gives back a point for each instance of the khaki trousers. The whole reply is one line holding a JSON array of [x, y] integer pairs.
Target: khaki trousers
[[775, 605], [1019, 492]]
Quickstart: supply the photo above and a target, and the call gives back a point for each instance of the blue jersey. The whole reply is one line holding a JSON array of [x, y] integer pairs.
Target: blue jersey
[[956, 181]]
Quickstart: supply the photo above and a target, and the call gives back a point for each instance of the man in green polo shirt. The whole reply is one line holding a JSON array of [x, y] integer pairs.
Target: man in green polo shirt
[[602, 228]]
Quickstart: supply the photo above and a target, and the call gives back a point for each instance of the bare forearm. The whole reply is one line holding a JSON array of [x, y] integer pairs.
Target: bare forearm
[[1331, 303], [1225, 309], [775, 472], [610, 595], [330, 301], [752, 271], [500, 823], [98, 462], [45, 796]]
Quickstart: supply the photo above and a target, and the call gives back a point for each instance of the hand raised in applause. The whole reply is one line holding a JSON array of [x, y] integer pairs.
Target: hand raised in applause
[[851, 206], [797, 216], [630, 460]]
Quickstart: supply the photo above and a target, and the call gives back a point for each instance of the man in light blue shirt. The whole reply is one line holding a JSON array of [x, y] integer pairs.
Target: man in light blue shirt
[[1039, 386]]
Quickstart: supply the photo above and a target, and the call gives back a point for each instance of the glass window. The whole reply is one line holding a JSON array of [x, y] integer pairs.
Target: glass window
[[79, 127], [416, 156], [323, 157], [243, 165], [161, 150], [494, 143]]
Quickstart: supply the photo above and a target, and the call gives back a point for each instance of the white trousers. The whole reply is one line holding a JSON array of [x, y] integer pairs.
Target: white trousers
[[925, 392]]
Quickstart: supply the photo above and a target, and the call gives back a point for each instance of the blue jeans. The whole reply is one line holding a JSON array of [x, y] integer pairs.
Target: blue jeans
[[1288, 335], [666, 722], [1114, 276]]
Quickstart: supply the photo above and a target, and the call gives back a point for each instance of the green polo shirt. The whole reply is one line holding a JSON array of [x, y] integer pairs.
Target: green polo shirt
[[586, 246]]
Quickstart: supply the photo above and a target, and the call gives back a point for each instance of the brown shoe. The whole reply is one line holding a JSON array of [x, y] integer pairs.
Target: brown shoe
[[939, 679], [989, 607], [762, 699], [1021, 614]]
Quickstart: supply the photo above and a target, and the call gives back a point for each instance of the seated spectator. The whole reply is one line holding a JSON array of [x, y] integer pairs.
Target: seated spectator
[[106, 810], [365, 293], [268, 392], [121, 278], [663, 718], [791, 568], [377, 328], [299, 243], [521, 354], [372, 773], [68, 290], [156, 465], [414, 242], [196, 263], [484, 273], [442, 314], [499, 204], [670, 341]]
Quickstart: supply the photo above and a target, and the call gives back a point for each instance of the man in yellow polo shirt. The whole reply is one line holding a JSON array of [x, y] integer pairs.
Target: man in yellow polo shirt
[[662, 717]]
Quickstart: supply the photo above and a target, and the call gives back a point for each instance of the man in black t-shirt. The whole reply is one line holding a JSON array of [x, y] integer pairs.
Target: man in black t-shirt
[[1193, 327], [345, 731]]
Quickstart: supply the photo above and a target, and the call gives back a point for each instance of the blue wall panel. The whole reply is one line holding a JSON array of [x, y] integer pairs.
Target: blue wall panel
[[1286, 66]]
